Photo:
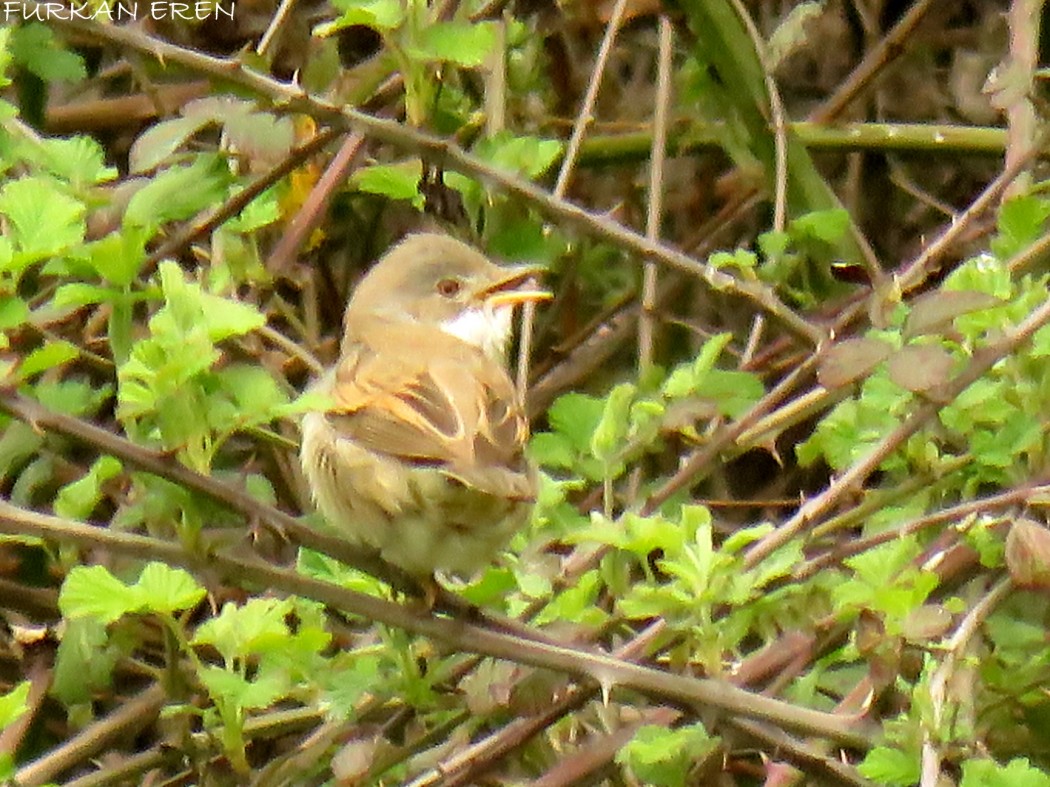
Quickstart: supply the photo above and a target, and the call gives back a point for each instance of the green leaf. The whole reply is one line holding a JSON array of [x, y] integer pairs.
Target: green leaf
[[880, 565], [79, 160], [255, 393], [988, 773], [610, 433], [119, 256], [165, 589], [47, 357], [827, 225], [224, 318], [1021, 222], [35, 47], [6, 34], [381, 15], [94, 592], [552, 450], [188, 307], [13, 312], [344, 687], [85, 660], [13, 704], [76, 294], [237, 632], [78, 499], [463, 43], [891, 766], [18, 442], [396, 181], [576, 416], [523, 155], [733, 391], [45, 221], [178, 193], [662, 757], [230, 687]]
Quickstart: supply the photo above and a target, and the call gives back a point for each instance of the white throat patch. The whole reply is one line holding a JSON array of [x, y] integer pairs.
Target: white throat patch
[[487, 329]]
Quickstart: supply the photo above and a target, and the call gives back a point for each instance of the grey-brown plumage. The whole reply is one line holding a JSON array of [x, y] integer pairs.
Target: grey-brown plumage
[[420, 450]]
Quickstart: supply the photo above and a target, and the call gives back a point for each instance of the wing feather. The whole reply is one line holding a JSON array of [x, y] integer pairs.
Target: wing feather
[[447, 406]]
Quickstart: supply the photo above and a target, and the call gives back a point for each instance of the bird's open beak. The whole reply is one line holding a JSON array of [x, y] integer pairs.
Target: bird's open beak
[[517, 286]]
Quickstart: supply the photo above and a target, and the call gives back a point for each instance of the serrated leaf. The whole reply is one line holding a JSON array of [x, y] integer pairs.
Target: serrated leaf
[[94, 592], [661, 756], [230, 687], [80, 160], [45, 221], [851, 360], [890, 766], [576, 416], [989, 773], [921, 368], [35, 47], [934, 312], [237, 632], [165, 589], [552, 450], [1020, 222], [395, 181], [225, 318]]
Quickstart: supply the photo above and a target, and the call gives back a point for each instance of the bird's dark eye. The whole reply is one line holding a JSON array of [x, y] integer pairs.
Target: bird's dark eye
[[449, 287]]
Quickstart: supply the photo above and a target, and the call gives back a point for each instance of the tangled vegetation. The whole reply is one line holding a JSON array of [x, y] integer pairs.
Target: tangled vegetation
[[789, 402]]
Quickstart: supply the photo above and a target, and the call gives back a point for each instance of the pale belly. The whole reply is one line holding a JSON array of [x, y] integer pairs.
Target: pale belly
[[417, 517]]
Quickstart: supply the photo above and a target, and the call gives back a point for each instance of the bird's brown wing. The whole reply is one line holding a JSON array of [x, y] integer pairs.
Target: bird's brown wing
[[433, 400]]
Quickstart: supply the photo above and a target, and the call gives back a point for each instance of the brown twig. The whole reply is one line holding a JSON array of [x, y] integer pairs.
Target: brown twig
[[295, 98], [605, 670], [890, 47], [654, 212], [982, 360]]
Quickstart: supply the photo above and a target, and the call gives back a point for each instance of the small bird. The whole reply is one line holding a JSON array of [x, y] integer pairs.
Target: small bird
[[419, 451]]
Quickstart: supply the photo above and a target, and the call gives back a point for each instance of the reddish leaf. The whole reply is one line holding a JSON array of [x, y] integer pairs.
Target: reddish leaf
[[1028, 554], [156, 144], [851, 360], [933, 313], [921, 368]]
